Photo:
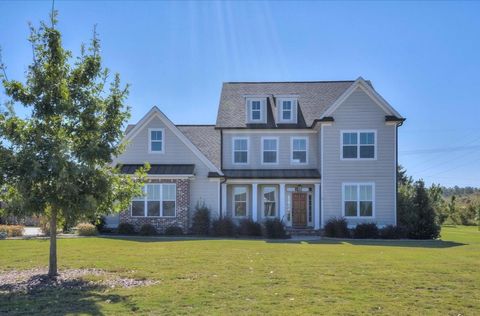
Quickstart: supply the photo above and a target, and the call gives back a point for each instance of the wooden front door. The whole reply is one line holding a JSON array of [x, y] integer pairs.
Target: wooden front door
[[299, 209]]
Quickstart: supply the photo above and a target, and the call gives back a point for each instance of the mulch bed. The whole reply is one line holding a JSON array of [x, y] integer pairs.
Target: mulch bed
[[34, 280]]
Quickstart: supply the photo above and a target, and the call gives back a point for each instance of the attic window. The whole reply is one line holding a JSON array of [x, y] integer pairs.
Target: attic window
[[287, 108], [256, 110]]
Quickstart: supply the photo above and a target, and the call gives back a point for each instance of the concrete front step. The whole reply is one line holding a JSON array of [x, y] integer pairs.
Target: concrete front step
[[303, 231]]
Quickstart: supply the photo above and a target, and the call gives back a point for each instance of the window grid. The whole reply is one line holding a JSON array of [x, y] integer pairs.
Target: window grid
[[240, 151], [299, 150], [240, 197], [159, 200], [269, 201], [156, 143], [360, 145], [269, 150], [358, 200]]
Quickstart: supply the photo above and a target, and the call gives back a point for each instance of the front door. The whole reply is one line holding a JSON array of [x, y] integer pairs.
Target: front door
[[299, 209]]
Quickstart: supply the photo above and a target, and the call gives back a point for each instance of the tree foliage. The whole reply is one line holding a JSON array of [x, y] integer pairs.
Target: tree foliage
[[57, 160]]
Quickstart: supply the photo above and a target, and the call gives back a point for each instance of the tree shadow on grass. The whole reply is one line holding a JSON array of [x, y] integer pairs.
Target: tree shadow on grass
[[40, 296], [298, 240]]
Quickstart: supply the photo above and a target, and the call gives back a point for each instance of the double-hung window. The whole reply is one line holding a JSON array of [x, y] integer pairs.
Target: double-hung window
[[358, 145], [269, 150], [240, 150], [358, 200], [256, 110], [269, 201], [299, 150], [156, 140], [287, 110], [240, 201], [159, 200]]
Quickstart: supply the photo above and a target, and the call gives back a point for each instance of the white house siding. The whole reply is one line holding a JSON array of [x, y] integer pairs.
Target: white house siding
[[359, 112], [284, 150], [176, 152]]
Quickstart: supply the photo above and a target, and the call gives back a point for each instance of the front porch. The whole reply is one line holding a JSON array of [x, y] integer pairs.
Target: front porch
[[295, 202]]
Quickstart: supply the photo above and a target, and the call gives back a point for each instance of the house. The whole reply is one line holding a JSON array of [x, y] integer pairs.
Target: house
[[303, 152]]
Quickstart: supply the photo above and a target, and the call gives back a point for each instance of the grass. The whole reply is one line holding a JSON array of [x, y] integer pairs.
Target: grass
[[245, 277]]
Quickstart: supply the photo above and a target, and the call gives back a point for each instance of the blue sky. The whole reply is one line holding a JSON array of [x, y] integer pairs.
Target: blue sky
[[422, 57]]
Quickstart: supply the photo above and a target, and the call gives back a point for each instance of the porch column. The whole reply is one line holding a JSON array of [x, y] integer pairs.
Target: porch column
[[281, 198], [254, 202], [316, 200], [224, 200]]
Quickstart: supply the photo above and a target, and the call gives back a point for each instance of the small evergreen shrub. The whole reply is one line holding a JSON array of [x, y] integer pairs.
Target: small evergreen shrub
[[366, 231], [3, 235], [100, 223], [274, 228], [392, 232], [173, 231], [248, 227], [147, 230], [223, 227], [126, 229], [86, 229], [337, 227], [12, 230], [201, 220]]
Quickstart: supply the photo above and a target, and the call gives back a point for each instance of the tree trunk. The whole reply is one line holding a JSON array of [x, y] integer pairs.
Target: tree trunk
[[52, 265]]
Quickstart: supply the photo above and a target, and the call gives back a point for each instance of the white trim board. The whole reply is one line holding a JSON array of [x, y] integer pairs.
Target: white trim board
[[155, 112]]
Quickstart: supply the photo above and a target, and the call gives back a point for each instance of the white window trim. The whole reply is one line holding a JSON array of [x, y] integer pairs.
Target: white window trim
[[261, 153], [150, 130], [248, 106], [358, 184], [145, 200], [294, 110], [233, 150], [358, 131], [246, 202], [275, 199], [291, 150]]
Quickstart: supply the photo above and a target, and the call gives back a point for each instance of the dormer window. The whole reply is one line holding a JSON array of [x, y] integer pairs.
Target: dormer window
[[287, 110], [256, 110]]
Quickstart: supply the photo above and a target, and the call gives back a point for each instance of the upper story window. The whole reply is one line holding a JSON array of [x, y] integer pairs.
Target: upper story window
[[159, 201], [240, 151], [358, 145], [299, 150], [156, 140], [358, 199], [269, 201], [256, 110], [269, 150], [287, 110]]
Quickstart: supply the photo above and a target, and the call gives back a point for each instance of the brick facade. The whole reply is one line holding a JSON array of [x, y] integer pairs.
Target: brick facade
[[160, 223]]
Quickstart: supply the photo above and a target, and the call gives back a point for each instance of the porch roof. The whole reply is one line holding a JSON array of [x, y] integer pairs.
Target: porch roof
[[268, 174], [160, 169]]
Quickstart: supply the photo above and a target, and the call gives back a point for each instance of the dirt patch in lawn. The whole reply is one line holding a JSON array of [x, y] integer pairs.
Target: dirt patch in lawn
[[33, 280]]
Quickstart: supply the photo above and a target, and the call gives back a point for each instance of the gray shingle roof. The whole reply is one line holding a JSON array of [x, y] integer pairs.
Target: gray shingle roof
[[313, 99], [206, 138], [160, 169], [270, 173]]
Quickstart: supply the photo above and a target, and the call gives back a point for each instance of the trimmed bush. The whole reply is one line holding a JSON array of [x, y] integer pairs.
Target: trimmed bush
[[86, 229], [12, 230], [366, 231], [3, 235], [173, 231], [392, 232], [147, 230], [337, 227], [201, 220], [126, 229], [274, 228], [248, 227], [223, 227]]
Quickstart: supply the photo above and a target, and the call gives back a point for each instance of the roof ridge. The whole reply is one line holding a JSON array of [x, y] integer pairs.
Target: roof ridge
[[194, 124], [313, 81]]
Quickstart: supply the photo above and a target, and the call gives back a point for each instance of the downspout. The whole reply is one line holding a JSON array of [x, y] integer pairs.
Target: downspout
[[221, 168], [396, 173]]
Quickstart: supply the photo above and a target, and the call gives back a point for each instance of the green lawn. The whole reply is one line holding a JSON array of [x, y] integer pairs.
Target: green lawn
[[258, 277]]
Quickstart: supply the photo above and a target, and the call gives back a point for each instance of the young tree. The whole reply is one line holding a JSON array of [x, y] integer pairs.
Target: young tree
[[56, 161]]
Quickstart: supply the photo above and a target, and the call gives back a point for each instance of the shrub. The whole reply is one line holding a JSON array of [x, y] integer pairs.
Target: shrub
[[223, 227], [392, 232], [147, 230], [12, 230], [337, 227], [100, 223], [248, 227], [126, 229], [366, 230], [274, 228], [3, 235], [173, 231], [201, 220], [86, 229]]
